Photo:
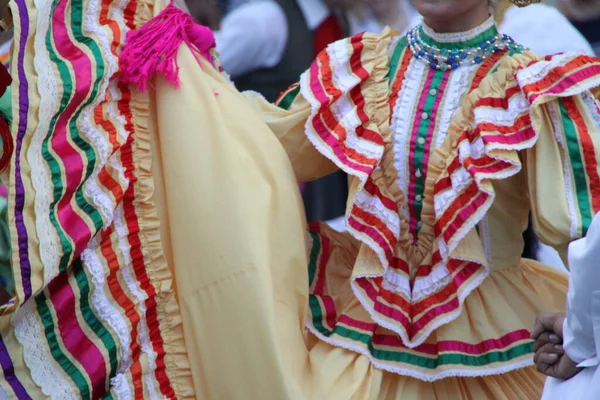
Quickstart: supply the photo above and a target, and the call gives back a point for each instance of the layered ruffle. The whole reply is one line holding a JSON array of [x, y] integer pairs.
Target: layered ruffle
[[414, 286]]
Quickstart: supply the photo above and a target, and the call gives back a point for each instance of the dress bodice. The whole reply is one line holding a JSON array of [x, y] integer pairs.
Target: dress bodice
[[423, 101]]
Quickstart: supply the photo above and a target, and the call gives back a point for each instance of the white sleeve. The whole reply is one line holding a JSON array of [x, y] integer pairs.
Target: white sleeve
[[251, 37], [581, 329], [544, 30]]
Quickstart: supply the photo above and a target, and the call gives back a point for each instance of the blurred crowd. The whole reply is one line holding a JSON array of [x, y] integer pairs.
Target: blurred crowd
[[266, 44]]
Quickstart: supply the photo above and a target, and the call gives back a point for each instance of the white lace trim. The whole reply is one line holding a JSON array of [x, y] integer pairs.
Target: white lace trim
[[518, 105], [344, 109], [425, 286], [396, 282], [458, 36], [29, 331], [540, 69], [568, 178], [458, 86], [95, 136], [373, 205], [402, 122], [121, 387], [40, 175], [413, 372], [461, 178], [104, 308], [128, 275]]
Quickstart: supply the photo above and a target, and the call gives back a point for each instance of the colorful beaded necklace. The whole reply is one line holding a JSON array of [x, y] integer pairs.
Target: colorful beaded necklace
[[452, 54]]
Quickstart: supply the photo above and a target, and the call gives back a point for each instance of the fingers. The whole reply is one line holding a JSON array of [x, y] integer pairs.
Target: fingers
[[548, 353], [545, 323], [546, 338]]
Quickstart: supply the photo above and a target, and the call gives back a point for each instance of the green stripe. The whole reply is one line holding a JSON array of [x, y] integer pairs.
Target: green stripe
[[68, 249], [288, 99], [442, 359], [419, 149], [399, 356], [54, 165], [475, 42], [578, 168], [314, 256], [401, 47], [92, 320], [55, 348]]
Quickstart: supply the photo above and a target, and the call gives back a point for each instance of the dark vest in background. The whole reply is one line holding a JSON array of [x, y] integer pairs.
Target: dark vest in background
[[325, 198], [298, 56]]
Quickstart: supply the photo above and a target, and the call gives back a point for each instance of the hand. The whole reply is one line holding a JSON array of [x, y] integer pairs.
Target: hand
[[551, 360], [551, 324]]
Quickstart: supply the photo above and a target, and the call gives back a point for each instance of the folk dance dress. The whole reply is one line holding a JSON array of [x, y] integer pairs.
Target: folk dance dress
[[159, 249], [427, 296]]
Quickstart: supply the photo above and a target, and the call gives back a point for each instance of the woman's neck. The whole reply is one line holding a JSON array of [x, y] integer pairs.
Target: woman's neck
[[467, 21]]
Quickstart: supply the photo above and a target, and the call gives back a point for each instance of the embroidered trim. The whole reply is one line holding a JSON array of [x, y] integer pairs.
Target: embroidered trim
[[568, 179], [402, 121], [458, 36]]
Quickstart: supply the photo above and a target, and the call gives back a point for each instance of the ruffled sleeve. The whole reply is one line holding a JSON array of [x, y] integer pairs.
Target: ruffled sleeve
[[562, 168], [337, 116]]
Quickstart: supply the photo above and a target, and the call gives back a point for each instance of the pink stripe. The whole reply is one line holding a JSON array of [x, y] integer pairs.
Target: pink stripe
[[72, 223], [373, 234], [466, 273], [432, 125], [572, 80], [322, 130], [514, 138], [441, 346], [465, 213], [411, 157], [75, 340], [373, 293]]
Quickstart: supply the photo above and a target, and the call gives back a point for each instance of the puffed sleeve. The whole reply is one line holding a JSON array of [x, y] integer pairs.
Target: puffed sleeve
[[563, 165], [337, 116]]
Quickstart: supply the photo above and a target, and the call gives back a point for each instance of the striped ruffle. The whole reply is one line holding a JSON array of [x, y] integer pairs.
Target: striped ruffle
[[95, 315], [496, 123]]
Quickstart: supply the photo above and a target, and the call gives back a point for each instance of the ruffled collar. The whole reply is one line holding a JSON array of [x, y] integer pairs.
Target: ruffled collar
[[459, 40]]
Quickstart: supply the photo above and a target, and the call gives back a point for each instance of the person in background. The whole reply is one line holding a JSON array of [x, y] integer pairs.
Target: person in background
[[568, 345], [286, 36], [585, 15]]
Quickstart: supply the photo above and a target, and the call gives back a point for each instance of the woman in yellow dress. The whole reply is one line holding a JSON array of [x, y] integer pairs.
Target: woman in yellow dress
[[159, 245]]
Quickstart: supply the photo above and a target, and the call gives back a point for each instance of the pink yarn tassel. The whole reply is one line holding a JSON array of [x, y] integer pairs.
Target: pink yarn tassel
[[152, 49]]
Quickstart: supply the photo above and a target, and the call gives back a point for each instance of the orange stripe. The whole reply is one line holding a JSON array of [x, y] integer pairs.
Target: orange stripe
[[126, 304], [588, 150]]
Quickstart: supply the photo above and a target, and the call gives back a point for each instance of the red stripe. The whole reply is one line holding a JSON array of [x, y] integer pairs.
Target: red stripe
[[126, 305], [499, 102], [588, 151], [137, 256], [372, 289], [485, 68], [375, 191], [375, 222], [561, 72], [399, 80], [374, 234]]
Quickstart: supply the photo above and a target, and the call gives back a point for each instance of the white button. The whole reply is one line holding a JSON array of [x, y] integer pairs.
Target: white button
[[418, 197], [418, 173], [421, 140], [419, 224], [425, 115], [433, 92]]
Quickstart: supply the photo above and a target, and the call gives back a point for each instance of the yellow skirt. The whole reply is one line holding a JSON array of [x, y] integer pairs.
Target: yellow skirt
[[233, 232]]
